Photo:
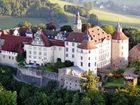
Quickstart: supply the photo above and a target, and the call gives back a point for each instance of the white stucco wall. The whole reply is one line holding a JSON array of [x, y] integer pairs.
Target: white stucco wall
[[104, 54], [39, 54], [70, 78], [69, 55], [87, 59], [72, 83], [8, 58], [120, 53], [59, 52]]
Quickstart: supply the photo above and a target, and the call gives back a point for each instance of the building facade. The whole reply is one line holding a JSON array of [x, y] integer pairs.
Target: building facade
[[88, 50], [42, 50], [11, 47], [70, 78], [120, 48]]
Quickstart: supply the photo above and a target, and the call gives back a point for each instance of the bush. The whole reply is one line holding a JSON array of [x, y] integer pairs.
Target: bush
[[69, 63], [20, 59]]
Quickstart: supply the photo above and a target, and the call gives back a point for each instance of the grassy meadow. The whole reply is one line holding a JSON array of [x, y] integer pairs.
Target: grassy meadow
[[128, 2], [107, 17], [114, 17]]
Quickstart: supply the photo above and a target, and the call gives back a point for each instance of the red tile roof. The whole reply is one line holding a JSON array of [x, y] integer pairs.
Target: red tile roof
[[45, 40], [119, 36], [87, 45], [134, 53], [75, 37], [5, 32], [57, 42], [14, 43], [96, 33]]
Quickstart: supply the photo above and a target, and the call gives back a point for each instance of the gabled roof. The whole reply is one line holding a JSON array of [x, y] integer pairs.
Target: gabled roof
[[6, 32], [50, 33], [134, 53], [97, 34], [87, 45], [45, 40], [75, 37], [14, 43], [55, 42]]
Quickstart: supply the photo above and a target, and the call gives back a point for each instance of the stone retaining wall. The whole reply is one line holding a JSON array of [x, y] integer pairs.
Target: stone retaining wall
[[36, 77]]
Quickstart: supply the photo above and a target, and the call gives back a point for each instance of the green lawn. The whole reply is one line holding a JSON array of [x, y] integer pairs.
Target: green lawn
[[106, 17], [48, 67], [53, 67], [127, 2], [114, 82], [114, 17], [61, 3]]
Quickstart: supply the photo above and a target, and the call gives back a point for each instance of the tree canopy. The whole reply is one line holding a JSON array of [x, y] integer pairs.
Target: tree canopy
[[22, 94], [109, 29], [89, 81], [7, 97]]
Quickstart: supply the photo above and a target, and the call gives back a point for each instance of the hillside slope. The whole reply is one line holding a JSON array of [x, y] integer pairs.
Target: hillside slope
[[114, 17], [104, 15], [126, 2]]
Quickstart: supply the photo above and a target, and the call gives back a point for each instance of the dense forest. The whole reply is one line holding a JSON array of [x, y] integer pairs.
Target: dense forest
[[41, 9], [33, 8], [13, 92]]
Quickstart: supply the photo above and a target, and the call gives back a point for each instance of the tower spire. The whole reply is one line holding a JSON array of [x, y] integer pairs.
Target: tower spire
[[118, 27], [78, 23]]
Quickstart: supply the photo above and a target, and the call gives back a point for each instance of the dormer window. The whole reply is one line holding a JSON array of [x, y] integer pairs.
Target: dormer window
[[66, 43], [89, 51], [37, 38], [73, 39], [72, 44]]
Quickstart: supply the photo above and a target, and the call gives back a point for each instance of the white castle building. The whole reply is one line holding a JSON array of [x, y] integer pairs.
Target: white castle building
[[89, 50], [42, 50]]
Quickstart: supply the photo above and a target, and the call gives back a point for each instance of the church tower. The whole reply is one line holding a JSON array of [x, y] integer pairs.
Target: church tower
[[120, 48], [78, 23]]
